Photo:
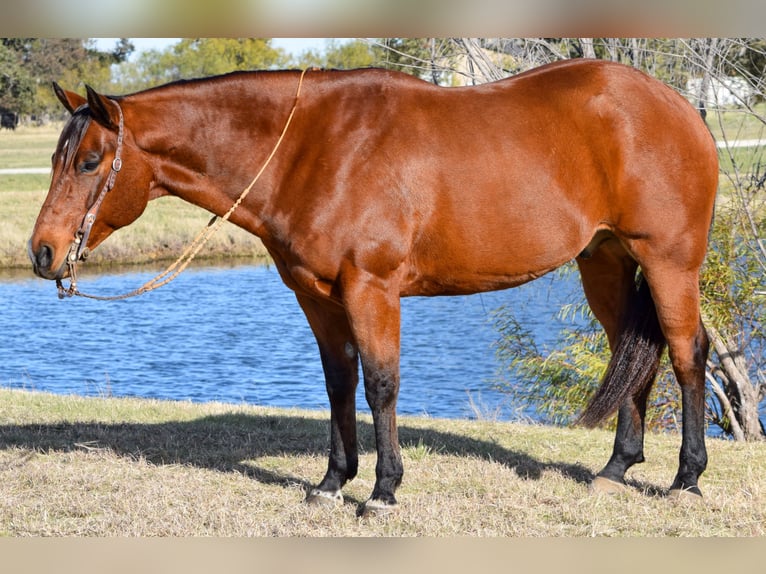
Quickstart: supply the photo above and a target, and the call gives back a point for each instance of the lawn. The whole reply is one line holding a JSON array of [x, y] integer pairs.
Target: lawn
[[73, 466]]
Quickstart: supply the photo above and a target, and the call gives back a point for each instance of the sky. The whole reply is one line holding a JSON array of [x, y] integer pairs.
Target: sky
[[294, 46]]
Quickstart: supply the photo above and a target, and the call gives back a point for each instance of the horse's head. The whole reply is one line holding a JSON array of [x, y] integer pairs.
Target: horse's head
[[100, 182]]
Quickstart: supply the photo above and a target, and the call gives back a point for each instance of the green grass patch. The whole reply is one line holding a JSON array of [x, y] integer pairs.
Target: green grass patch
[[737, 123], [28, 146], [73, 466], [24, 182], [742, 160]]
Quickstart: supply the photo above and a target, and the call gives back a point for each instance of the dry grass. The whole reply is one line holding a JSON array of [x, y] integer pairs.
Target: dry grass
[[28, 146], [124, 467]]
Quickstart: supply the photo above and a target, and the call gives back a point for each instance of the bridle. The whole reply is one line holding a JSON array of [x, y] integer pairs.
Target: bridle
[[78, 251]]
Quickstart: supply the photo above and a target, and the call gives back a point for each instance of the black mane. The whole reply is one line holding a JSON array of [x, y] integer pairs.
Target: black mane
[[71, 136]]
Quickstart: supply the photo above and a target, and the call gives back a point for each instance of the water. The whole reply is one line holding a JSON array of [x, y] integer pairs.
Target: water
[[237, 335]]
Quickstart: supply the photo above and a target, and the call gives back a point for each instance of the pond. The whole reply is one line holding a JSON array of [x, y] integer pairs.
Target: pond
[[236, 334]]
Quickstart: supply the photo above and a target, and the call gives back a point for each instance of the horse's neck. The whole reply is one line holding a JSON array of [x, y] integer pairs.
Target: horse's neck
[[209, 141]]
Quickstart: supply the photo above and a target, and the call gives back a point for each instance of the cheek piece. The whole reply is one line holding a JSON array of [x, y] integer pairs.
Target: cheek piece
[[78, 251]]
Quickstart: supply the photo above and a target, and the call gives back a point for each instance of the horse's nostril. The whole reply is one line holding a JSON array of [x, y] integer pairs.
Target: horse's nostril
[[44, 257]]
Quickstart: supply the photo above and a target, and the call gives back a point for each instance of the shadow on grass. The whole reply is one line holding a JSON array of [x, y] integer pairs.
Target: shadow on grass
[[223, 442]]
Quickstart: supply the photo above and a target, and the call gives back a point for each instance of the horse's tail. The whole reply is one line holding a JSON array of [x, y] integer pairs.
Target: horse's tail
[[635, 360]]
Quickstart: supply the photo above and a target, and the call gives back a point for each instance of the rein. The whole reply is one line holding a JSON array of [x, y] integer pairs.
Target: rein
[[78, 250]]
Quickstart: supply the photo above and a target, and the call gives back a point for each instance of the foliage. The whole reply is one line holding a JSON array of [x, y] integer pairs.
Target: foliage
[[29, 65], [558, 382], [16, 86], [734, 306], [340, 56], [199, 57]]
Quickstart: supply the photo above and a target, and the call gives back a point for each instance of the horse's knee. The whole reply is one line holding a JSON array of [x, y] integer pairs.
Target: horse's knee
[[381, 388]]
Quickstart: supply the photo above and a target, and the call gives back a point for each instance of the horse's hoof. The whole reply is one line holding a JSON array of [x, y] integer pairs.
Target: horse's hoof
[[687, 495], [377, 508], [604, 485], [322, 498]]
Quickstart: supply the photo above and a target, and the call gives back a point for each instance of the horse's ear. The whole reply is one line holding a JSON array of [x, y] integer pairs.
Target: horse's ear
[[102, 109], [70, 100]]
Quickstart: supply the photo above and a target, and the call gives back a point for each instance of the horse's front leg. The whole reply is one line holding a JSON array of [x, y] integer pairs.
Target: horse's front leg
[[340, 362], [374, 313]]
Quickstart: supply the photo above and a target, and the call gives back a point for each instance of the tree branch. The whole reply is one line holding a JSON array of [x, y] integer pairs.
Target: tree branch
[[723, 400]]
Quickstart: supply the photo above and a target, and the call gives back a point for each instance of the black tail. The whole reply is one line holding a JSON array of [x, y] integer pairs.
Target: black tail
[[634, 362]]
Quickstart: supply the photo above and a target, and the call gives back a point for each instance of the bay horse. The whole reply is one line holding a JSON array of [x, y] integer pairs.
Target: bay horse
[[386, 186]]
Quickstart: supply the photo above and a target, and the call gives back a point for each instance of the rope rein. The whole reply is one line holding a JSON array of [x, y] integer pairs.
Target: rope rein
[[183, 261]]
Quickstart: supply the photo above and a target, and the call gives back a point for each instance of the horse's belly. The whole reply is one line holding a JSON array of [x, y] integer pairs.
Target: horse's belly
[[452, 284], [495, 256], [490, 268]]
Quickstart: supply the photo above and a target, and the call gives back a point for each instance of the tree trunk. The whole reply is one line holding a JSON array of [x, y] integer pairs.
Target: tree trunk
[[707, 72], [742, 394], [588, 51]]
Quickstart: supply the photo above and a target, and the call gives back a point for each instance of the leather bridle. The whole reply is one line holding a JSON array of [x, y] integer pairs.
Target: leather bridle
[[78, 250]]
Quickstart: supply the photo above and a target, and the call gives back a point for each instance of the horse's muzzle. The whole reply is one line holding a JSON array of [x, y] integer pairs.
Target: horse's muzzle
[[42, 262]]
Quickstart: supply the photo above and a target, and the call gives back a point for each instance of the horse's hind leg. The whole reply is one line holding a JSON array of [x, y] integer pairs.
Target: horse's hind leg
[[608, 278], [677, 299], [340, 362]]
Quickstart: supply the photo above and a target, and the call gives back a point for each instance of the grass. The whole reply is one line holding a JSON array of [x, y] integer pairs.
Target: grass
[[28, 146], [73, 466], [737, 124]]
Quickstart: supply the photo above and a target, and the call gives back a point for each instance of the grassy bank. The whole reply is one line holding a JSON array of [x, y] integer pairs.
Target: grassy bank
[[105, 467]]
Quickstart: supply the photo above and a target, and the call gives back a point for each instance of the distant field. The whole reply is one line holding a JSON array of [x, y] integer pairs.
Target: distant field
[[28, 146], [738, 124]]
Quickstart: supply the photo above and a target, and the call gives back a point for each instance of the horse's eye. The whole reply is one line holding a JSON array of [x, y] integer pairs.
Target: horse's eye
[[89, 166]]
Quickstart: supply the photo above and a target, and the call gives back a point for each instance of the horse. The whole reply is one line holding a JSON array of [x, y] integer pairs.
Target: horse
[[386, 186]]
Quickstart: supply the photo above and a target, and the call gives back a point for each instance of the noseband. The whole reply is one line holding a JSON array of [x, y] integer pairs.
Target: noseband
[[78, 251]]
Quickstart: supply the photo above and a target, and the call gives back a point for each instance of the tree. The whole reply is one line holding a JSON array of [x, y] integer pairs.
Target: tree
[[29, 65], [340, 56], [432, 59], [196, 58], [734, 305], [16, 85]]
